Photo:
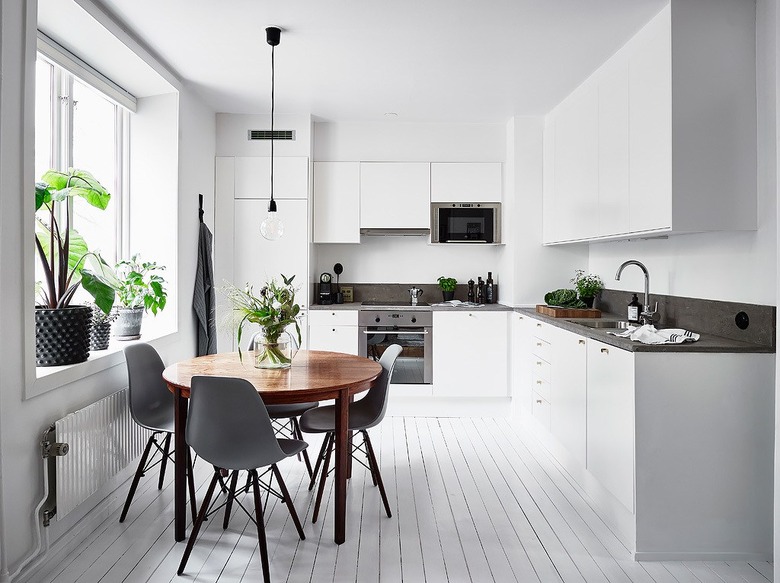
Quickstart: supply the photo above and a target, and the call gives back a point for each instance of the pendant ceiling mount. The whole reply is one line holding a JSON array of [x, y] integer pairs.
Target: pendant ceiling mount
[[272, 227]]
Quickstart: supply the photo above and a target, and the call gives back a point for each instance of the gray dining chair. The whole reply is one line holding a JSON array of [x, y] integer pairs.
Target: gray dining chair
[[284, 418], [229, 427], [363, 414], [152, 407]]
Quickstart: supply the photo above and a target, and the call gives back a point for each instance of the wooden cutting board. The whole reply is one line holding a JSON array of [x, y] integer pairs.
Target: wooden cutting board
[[555, 312]]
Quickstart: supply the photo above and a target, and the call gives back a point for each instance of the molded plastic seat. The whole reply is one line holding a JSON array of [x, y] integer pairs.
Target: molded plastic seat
[[228, 425], [152, 407], [363, 414], [284, 411]]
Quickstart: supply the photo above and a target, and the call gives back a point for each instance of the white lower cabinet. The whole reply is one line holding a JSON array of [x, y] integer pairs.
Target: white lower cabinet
[[470, 354], [568, 391], [522, 333], [334, 330], [610, 414]]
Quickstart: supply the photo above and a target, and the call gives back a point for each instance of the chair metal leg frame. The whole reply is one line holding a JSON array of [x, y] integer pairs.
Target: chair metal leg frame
[[320, 456], [148, 462], [372, 467], [198, 522], [290, 429], [298, 435], [260, 527]]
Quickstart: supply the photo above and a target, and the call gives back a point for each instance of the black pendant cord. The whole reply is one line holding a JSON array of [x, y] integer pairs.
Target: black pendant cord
[[272, 205]]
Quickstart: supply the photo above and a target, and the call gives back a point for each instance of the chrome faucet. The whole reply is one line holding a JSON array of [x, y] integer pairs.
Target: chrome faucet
[[647, 314]]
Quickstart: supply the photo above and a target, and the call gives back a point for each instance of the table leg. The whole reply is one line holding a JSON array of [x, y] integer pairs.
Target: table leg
[[342, 456], [180, 468]]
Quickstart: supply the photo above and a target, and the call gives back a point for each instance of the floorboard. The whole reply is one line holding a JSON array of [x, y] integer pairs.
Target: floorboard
[[473, 501]]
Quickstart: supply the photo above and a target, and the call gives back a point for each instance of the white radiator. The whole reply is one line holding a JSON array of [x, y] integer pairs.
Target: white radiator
[[103, 439]]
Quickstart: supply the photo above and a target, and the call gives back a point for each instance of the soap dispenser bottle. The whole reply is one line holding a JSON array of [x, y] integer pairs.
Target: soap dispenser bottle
[[634, 308]]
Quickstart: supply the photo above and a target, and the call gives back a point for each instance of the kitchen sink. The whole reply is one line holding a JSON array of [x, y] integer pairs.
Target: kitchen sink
[[612, 324]]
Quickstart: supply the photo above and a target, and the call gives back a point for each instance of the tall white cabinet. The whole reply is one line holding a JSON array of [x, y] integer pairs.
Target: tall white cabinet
[[241, 255]]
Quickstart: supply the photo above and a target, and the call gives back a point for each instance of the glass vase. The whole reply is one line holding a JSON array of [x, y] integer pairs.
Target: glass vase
[[274, 352]]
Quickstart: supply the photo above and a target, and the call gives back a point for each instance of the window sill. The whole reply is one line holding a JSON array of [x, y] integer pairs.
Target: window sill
[[52, 377]]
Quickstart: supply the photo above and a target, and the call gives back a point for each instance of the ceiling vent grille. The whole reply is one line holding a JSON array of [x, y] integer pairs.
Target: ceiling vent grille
[[276, 134]]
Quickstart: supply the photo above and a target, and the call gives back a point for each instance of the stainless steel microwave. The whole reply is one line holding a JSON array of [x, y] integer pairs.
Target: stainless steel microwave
[[466, 222]]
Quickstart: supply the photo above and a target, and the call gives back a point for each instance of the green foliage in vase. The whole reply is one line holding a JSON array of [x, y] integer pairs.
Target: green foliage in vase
[[273, 309], [60, 248], [447, 283], [588, 286]]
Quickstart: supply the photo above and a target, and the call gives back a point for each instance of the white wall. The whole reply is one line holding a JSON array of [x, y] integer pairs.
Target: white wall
[[22, 420], [398, 259]]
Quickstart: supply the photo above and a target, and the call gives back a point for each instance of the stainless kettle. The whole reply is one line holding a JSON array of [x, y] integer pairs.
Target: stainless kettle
[[414, 293]]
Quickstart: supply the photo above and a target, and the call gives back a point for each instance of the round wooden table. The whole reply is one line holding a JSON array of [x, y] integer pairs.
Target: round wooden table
[[314, 376]]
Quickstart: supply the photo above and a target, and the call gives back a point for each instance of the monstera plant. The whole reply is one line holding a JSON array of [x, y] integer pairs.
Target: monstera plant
[[62, 330]]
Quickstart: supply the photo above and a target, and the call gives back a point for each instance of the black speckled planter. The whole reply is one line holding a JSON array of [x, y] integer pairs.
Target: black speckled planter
[[100, 336], [62, 335]]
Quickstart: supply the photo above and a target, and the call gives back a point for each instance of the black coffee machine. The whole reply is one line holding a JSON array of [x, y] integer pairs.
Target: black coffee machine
[[326, 290]]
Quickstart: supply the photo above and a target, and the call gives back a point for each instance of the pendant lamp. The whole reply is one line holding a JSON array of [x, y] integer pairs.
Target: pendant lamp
[[272, 227]]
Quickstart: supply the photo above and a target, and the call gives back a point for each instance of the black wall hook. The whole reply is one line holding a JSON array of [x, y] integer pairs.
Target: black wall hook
[[200, 207]]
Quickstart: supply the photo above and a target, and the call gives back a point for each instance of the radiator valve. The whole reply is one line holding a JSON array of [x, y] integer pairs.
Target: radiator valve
[[49, 449]]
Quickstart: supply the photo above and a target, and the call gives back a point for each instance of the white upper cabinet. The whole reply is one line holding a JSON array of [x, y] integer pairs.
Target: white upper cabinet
[[336, 202], [395, 195], [466, 182], [253, 177], [661, 138]]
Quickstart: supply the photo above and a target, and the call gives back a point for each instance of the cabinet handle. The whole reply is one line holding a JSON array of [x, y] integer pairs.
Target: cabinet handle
[[334, 329], [582, 341], [538, 325], [519, 317], [539, 401], [538, 382], [538, 362], [605, 351], [333, 313], [538, 343]]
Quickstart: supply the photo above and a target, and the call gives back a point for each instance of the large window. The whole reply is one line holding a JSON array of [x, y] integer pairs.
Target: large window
[[78, 126]]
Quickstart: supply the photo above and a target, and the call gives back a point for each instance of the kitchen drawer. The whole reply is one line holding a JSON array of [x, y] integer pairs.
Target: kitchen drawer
[[333, 317], [541, 369], [334, 338], [543, 330], [540, 408], [541, 348], [542, 387]]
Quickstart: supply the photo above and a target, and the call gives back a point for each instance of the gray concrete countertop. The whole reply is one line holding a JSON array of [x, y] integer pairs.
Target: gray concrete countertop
[[483, 308], [336, 307], [707, 342]]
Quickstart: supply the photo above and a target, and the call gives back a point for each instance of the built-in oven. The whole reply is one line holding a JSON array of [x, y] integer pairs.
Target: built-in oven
[[411, 327], [466, 222]]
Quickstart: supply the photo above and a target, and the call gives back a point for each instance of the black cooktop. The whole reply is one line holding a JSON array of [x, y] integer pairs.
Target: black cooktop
[[385, 304]]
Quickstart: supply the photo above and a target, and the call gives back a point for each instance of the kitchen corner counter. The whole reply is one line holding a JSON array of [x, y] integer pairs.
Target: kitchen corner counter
[[336, 307], [483, 308], [706, 343]]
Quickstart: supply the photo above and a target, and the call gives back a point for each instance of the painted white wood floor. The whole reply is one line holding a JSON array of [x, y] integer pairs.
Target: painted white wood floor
[[472, 499]]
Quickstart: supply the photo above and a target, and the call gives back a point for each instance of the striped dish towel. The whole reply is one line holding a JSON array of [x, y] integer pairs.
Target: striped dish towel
[[647, 334]]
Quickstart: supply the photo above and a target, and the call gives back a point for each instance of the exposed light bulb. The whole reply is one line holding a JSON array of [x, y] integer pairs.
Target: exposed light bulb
[[272, 228]]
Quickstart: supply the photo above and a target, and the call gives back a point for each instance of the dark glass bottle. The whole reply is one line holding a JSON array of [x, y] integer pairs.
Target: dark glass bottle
[[634, 309], [471, 291], [489, 292], [480, 291]]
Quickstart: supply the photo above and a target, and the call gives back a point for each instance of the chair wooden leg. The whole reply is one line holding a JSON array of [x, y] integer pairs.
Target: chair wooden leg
[[372, 461], [198, 522], [288, 501], [320, 457], [298, 435], [331, 440], [137, 478], [260, 527], [164, 462], [191, 484], [371, 467], [231, 496]]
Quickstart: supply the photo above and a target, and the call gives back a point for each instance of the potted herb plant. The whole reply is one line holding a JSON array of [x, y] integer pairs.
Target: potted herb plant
[[274, 309], [587, 286], [137, 287], [61, 329], [447, 287], [100, 333]]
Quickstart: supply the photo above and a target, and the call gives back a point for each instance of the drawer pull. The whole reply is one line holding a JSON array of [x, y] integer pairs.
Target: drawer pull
[[538, 325], [539, 401], [605, 351], [538, 382], [334, 329], [519, 317], [538, 343], [333, 313], [539, 363], [582, 341]]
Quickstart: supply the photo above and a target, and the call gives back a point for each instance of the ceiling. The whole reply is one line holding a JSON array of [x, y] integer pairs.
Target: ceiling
[[356, 60]]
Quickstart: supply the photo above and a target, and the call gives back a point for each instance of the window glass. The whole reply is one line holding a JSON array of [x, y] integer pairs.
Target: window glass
[[44, 73], [94, 150]]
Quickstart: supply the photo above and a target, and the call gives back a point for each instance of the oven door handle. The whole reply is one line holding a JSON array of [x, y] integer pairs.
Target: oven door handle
[[395, 332]]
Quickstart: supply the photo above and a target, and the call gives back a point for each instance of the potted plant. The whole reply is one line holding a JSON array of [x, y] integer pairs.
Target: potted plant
[[100, 332], [62, 330], [137, 287], [587, 286], [447, 287], [273, 310]]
